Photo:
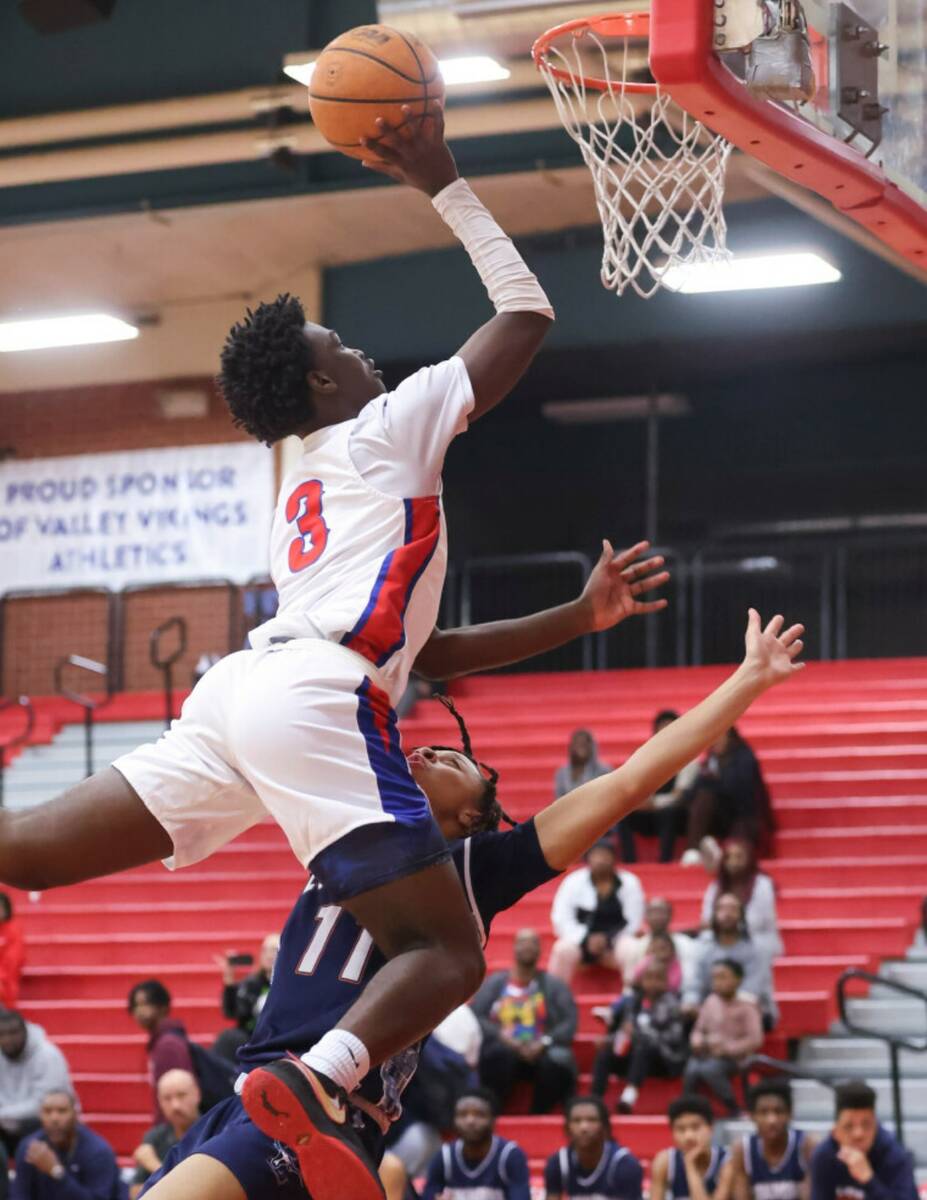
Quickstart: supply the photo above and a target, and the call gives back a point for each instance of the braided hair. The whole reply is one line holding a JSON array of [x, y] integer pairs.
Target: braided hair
[[490, 808]]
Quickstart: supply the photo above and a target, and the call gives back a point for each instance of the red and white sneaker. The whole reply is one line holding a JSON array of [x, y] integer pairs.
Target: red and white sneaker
[[302, 1108]]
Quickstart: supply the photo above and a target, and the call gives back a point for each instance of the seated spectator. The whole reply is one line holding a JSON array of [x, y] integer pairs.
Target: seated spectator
[[691, 1168], [648, 1037], [478, 1164], [860, 1157], [664, 815], [728, 938], [528, 1019], [242, 1000], [168, 1048], [12, 954], [728, 1030], [631, 950], [729, 798], [773, 1162], [592, 908], [179, 1099], [30, 1067], [592, 1163], [65, 1160], [739, 875], [662, 952], [582, 763]]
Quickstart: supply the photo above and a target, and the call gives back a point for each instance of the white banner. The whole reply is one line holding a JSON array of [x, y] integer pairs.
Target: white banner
[[139, 516]]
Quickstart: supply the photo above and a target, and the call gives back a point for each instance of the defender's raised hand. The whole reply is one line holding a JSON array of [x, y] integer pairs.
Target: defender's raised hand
[[414, 153], [771, 653], [617, 581]]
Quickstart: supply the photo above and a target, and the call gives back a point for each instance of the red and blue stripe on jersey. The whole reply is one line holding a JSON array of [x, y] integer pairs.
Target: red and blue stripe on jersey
[[400, 795], [380, 631]]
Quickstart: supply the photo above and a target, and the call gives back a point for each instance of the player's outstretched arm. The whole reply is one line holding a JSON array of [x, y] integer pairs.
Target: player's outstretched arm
[[572, 824], [500, 352], [612, 593]]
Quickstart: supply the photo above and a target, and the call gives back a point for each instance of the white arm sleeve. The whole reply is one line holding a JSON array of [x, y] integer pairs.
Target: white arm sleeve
[[400, 439], [563, 917]]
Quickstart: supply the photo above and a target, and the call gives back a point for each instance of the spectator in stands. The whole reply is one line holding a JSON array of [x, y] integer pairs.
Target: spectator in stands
[[592, 908], [12, 954], [728, 1030], [739, 875], [65, 1160], [478, 1164], [860, 1157], [773, 1162], [729, 798], [728, 938], [582, 763], [631, 950], [242, 1000], [691, 1168], [528, 1019], [30, 1067], [179, 1100], [168, 1048], [592, 1163], [647, 1036], [664, 815]]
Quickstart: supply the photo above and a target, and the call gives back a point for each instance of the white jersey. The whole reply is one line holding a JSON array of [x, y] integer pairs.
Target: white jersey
[[359, 542]]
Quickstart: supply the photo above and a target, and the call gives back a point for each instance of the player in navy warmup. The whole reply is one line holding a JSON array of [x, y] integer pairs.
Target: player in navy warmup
[[593, 1165], [326, 958], [479, 1165], [691, 1168], [771, 1164]]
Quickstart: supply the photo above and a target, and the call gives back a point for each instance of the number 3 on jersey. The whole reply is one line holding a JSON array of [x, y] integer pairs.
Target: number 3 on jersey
[[304, 508], [326, 919]]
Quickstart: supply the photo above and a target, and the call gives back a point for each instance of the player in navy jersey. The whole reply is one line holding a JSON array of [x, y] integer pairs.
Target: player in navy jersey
[[773, 1163], [479, 1165], [326, 958], [592, 1165], [691, 1169]]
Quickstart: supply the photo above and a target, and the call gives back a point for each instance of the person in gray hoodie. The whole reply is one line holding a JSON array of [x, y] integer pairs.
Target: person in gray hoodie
[[30, 1067]]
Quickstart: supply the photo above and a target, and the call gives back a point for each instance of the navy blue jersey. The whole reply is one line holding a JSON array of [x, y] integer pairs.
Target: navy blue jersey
[[782, 1182], [678, 1188], [618, 1175], [326, 959], [502, 1175]]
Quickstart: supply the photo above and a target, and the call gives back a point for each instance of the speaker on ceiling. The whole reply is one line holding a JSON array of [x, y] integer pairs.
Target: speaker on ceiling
[[54, 16]]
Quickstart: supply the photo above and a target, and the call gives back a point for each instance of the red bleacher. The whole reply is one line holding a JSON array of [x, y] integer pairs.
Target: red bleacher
[[844, 749]]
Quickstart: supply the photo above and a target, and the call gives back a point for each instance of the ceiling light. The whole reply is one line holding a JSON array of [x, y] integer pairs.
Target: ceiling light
[[751, 272], [80, 330], [614, 408], [476, 68]]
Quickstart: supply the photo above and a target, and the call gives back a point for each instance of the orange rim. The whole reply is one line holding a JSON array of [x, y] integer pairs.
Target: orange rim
[[617, 25]]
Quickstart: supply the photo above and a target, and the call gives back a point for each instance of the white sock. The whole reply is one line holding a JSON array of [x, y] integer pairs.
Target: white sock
[[342, 1057], [629, 1095]]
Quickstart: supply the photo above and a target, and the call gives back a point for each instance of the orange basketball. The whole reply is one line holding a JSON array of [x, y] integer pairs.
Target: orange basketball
[[370, 72]]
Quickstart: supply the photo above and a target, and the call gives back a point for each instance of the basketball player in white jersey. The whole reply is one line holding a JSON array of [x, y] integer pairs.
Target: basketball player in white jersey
[[302, 725]]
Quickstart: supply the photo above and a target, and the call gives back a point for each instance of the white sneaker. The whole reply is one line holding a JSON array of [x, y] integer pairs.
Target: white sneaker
[[691, 858]]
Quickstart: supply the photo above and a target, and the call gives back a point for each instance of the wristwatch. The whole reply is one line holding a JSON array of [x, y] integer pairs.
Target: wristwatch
[[57, 1172]]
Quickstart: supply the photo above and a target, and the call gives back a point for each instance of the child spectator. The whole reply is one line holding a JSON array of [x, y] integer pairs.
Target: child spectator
[[30, 1068], [632, 949], [242, 1000], [664, 815], [65, 1160], [728, 798], [728, 939], [12, 954], [478, 1164], [592, 1163], [662, 952], [739, 875], [179, 1099], [771, 1164], [860, 1157], [728, 1030], [648, 1037], [168, 1048], [591, 909], [582, 763], [691, 1168]]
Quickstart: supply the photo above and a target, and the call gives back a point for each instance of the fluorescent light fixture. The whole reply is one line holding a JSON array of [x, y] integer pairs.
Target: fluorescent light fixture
[[82, 330], [751, 272], [474, 68], [613, 408]]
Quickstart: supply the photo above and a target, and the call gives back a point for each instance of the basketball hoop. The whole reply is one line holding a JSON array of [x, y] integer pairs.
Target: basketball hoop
[[658, 173]]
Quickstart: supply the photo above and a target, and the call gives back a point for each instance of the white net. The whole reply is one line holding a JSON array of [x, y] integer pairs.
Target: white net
[[658, 173]]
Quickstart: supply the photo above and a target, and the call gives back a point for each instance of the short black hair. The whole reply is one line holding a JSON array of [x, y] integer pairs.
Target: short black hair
[[9, 1016], [603, 844], [666, 714], [781, 1089], [855, 1094], [696, 1106], [265, 363], [6, 904], [155, 993], [597, 1103], [732, 965], [480, 1093]]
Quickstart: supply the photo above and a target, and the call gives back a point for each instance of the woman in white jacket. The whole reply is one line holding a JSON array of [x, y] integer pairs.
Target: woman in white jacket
[[740, 876]]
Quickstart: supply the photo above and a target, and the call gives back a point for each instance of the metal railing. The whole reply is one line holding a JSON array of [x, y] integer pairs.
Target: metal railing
[[165, 662], [87, 702], [18, 739], [895, 1042]]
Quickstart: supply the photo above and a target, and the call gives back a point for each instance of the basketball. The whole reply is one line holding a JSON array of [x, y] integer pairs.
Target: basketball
[[371, 72]]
